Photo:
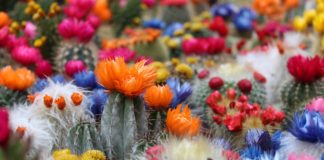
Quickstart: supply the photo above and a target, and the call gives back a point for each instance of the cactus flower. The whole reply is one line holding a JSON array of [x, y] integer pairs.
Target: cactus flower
[[19, 79], [158, 97]]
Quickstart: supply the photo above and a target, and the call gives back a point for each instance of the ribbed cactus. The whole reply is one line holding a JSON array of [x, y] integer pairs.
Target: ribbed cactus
[[123, 123], [84, 137], [76, 52], [295, 95], [172, 14], [9, 97]]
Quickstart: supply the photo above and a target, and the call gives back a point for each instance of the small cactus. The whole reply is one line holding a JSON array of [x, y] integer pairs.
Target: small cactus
[[9, 97]]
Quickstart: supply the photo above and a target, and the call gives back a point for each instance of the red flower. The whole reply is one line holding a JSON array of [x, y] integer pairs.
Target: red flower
[[306, 69], [216, 45], [259, 77], [216, 83], [4, 127], [218, 25], [233, 123], [245, 86], [213, 98], [271, 116], [203, 74], [173, 2], [231, 155], [43, 69], [154, 152]]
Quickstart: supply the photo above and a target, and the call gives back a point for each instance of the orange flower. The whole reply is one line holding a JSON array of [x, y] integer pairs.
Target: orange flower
[[101, 9], [271, 8], [4, 19], [77, 98], [19, 79], [131, 81], [48, 100], [60, 102], [158, 97], [181, 123], [290, 4]]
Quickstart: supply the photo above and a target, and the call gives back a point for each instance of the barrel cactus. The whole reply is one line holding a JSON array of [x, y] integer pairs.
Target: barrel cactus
[[83, 137], [307, 84]]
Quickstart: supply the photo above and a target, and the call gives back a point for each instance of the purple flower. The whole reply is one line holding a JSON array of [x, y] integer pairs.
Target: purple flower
[[180, 92]]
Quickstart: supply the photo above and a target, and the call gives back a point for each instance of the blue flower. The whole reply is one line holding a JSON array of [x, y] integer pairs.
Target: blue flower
[[253, 136], [247, 13], [169, 31], [98, 99], [58, 79], [276, 137], [243, 24], [39, 85], [308, 126], [85, 79], [180, 92], [225, 10], [251, 152], [154, 23]]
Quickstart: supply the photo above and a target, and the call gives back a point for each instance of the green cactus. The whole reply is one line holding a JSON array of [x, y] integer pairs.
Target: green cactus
[[10, 97], [172, 14], [156, 49], [76, 52], [123, 123], [83, 137], [295, 95]]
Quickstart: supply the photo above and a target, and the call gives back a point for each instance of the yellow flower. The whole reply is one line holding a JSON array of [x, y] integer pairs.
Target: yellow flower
[[67, 157], [320, 7], [209, 63], [93, 155], [206, 15], [178, 32], [61, 152], [318, 23], [187, 25], [309, 15], [198, 26], [187, 36], [300, 24], [172, 43], [162, 75], [192, 60], [185, 70], [175, 61], [157, 65]]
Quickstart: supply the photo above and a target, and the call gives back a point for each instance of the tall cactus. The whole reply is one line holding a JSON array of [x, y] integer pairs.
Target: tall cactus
[[83, 137], [123, 122]]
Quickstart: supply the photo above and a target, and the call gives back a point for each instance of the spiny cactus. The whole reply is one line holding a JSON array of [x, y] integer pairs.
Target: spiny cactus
[[157, 47], [123, 122], [175, 14], [9, 97], [78, 52], [295, 95], [83, 137]]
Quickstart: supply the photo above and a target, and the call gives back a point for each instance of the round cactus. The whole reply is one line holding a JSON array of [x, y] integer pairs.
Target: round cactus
[[83, 137]]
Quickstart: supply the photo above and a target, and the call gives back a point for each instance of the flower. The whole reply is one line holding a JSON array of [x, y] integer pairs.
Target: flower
[[85, 79], [173, 2], [115, 75], [216, 83], [74, 66], [125, 53], [4, 127], [158, 97], [78, 8], [245, 86], [154, 23], [218, 24], [317, 104], [180, 92], [43, 69], [148, 60], [19, 79], [26, 55], [14, 42], [98, 99], [4, 19], [300, 24], [101, 9], [225, 10], [68, 28], [30, 30], [148, 3], [305, 70], [190, 126], [4, 35], [184, 70], [94, 21], [294, 156], [162, 75], [93, 155], [85, 32]]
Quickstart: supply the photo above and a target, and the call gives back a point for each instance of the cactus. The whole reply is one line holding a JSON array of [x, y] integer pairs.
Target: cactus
[[9, 97], [295, 95], [83, 137], [123, 123], [172, 14], [157, 47], [76, 52]]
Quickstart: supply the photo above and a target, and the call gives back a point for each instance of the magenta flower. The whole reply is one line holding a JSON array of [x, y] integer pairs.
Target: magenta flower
[[85, 32], [43, 69], [78, 8], [4, 127], [126, 53], [13, 42], [68, 28], [26, 55], [74, 66], [317, 104], [30, 30], [293, 156], [148, 60], [94, 21], [149, 3], [4, 34]]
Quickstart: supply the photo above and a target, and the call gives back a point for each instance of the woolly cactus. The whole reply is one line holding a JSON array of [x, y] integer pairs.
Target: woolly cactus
[[81, 52], [123, 121], [9, 97], [83, 137]]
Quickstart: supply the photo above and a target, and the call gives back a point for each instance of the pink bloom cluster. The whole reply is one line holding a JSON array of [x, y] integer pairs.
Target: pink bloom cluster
[[78, 8], [173, 2], [209, 45], [126, 53], [317, 105]]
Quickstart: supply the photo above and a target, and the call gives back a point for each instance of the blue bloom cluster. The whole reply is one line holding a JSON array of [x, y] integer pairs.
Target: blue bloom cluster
[[180, 92]]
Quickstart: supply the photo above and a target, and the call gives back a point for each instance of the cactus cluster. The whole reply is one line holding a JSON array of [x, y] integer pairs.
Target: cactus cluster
[[9, 97], [172, 14]]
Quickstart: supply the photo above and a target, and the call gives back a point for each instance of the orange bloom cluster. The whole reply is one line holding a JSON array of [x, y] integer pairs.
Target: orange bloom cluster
[[4, 19], [134, 37], [101, 9], [158, 97], [19, 79], [181, 124], [115, 75], [76, 98], [274, 8]]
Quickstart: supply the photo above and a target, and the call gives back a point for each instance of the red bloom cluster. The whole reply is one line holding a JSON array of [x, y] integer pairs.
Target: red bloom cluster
[[219, 25], [306, 69], [173, 2], [272, 30], [209, 45], [4, 127], [234, 112]]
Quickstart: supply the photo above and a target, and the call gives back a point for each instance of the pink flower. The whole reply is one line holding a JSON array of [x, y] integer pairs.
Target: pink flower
[[30, 30], [148, 60], [94, 21], [68, 28], [154, 152], [26, 55], [173, 2], [13, 42], [78, 8], [43, 69], [4, 127], [293, 156], [74, 66], [219, 25], [149, 3], [126, 53], [317, 104], [85, 32], [4, 34]]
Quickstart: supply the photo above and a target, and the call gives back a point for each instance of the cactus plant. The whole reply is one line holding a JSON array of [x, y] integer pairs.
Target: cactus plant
[[123, 122], [9, 97], [175, 14], [83, 137]]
